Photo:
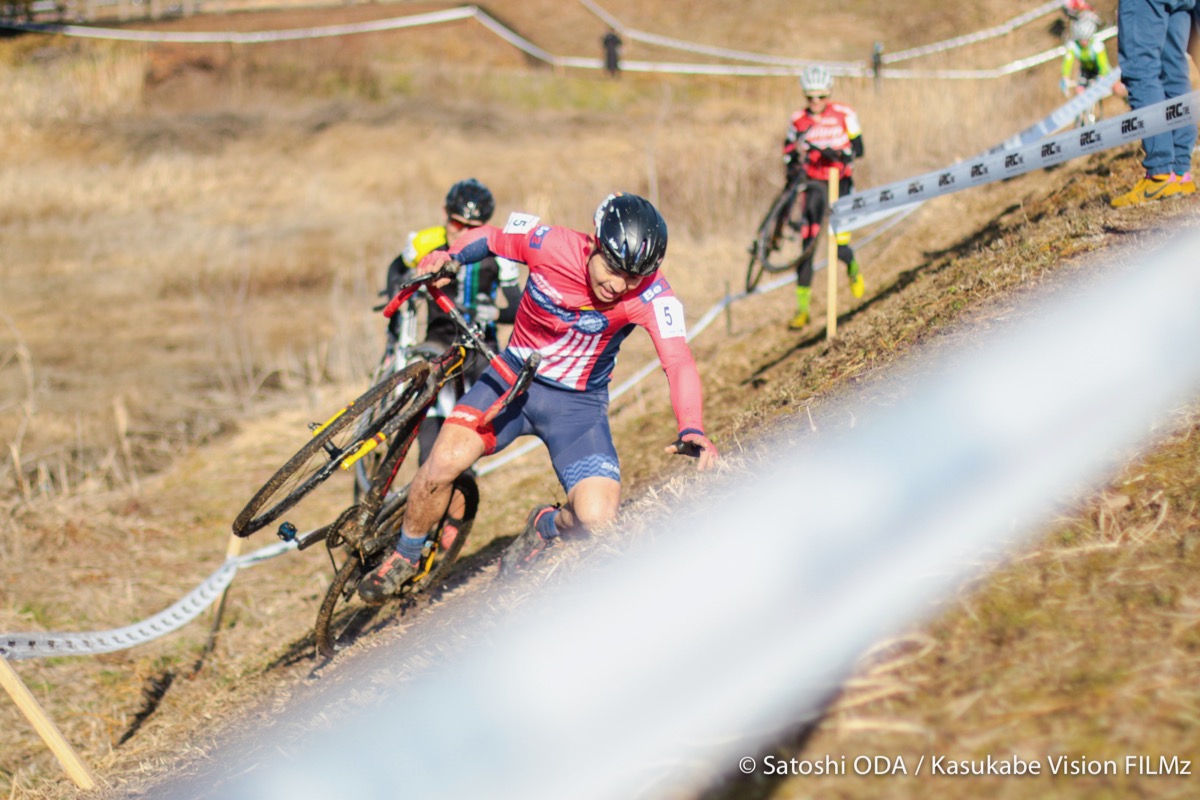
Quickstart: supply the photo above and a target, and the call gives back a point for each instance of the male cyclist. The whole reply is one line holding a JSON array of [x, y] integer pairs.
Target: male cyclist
[[468, 205], [823, 138], [586, 293], [1088, 51]]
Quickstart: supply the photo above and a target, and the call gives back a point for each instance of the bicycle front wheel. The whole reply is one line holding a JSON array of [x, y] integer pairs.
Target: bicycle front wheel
[[781, 241], [332, 443]]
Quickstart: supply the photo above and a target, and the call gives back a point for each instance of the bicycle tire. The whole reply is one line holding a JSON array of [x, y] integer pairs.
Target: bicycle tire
[[754, 270], [323, 453], [365, 467], [334, 624], [778, 248], [340, 619]]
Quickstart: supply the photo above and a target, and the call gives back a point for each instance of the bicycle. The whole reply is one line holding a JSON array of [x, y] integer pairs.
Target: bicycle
[[367, 530], [783, 239], [400, 351], [1090, 115]]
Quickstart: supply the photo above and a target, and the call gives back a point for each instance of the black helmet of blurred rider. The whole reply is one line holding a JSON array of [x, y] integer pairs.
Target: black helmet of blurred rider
[[631, 234], [470, 202]]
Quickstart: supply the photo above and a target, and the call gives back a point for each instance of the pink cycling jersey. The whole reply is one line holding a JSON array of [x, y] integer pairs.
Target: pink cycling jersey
[[577, 335], [833, 128]]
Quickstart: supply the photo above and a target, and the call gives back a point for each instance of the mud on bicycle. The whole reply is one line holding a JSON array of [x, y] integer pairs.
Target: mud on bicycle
[[376, 432]]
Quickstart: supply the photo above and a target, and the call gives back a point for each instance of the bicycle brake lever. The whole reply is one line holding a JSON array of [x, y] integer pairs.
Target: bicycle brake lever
[[524, 377]]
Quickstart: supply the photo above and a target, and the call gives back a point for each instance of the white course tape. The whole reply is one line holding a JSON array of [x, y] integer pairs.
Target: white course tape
[[839, 67], [771, 66], [252, 37], [1056, 120], [1065, 114], [41, 645], [973, 38], [1134, 126]]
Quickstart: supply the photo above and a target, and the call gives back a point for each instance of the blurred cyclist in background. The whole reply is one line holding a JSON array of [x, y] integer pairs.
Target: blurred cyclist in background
[[823, 138], [1089, 51]]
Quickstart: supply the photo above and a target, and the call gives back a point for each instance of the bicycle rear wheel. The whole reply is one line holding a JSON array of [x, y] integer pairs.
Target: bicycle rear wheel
[[341, 618], [330, 445], [781, 243]]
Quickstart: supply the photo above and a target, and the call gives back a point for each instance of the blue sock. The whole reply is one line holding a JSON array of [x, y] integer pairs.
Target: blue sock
[[545, 525], [410, 546]]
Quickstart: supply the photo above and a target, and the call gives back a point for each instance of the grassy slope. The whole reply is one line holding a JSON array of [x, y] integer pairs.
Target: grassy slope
[[915, 292]]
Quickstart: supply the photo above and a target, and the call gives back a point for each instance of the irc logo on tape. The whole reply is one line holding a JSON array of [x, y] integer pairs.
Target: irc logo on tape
[[886, 195], [916, 187], [1176, 111], [979, 170], [858, 203], [1132, 125], [1089, 138], [1013, 161], [1051, 150], [946, 179]]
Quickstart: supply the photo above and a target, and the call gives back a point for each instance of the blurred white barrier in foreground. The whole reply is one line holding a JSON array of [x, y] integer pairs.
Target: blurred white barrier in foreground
[[686, 657]]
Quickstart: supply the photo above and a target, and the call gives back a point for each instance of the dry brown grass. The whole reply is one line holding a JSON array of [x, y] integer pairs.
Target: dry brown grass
[[189, 264]]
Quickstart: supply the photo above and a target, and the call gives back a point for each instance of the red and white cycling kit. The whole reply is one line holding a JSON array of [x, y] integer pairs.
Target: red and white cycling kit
[[832, 129], [577, 335]]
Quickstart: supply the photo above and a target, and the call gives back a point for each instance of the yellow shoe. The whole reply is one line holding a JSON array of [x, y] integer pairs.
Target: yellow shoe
[[1151, 187], [1186, 184], [857, 287], [799, 321]]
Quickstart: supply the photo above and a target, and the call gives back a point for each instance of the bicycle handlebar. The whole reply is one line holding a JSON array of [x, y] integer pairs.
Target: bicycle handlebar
[[687, 448], [427, 282]]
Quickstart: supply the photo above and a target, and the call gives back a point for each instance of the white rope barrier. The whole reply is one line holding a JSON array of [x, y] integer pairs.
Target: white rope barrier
[[975, 38], [767, 66], [42, 645], [1114, 132], [841, 67]]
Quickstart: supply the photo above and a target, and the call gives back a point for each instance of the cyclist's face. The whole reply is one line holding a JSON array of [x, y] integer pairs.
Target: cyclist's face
[[456, 228], [607, 284], [816, 102]]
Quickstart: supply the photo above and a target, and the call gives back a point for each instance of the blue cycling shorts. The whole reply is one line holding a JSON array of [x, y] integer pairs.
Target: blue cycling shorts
[[573, 425]]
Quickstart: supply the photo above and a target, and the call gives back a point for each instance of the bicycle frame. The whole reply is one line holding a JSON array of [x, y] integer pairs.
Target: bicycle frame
[[357, 524]]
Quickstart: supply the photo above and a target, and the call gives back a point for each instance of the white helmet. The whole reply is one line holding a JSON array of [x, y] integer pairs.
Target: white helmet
[[816, 78], [1083, 29]]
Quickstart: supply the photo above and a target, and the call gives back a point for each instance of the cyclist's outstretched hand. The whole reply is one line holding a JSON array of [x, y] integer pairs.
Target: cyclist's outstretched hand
[[698, 446], [434, 261]]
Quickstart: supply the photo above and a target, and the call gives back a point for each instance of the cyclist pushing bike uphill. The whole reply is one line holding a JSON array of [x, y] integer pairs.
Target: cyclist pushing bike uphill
[[585, 294], [823, 138]]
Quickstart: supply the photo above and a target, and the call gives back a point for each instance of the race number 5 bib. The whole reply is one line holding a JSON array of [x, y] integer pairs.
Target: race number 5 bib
[[668, 312], [520, 223]]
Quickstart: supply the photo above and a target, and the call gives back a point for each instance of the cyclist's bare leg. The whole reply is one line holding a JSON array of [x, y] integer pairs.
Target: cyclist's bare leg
[[455, 450], [427, 435], [591, 503]]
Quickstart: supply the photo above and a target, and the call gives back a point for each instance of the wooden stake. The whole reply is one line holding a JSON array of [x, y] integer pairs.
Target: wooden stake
[[832, 262], [232, 550], [66, 755]]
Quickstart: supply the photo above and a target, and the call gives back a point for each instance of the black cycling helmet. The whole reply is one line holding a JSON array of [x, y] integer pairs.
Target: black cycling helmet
[[631, 234], [470, 202]]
